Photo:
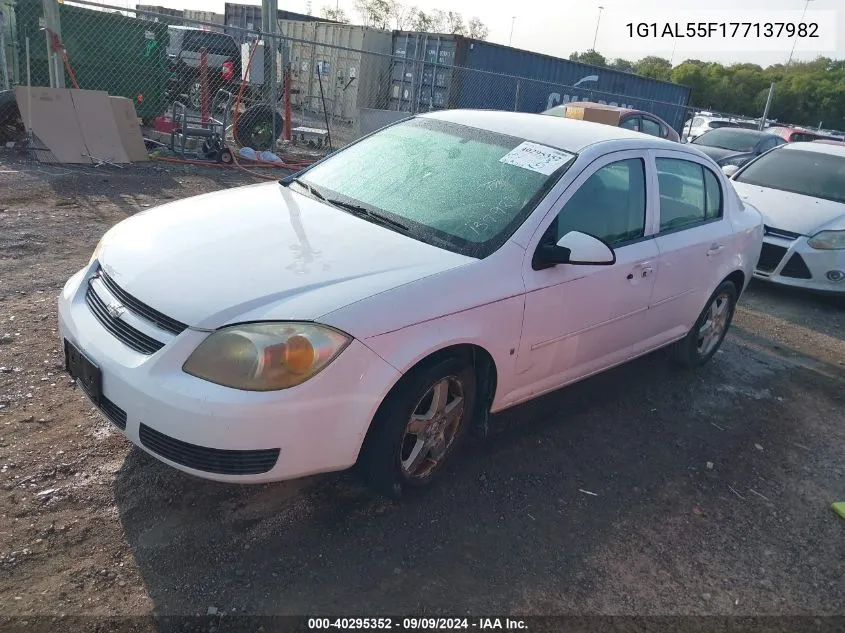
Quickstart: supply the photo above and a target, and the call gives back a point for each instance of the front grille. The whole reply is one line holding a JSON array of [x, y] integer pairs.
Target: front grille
[[796, 268], [121, 330], [770, 257], [114, 413], [158, 319], [210, 460], [789, 235]]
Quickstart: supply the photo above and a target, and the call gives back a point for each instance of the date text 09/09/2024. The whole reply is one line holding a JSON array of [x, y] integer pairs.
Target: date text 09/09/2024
[[723, 29], [418, 624]]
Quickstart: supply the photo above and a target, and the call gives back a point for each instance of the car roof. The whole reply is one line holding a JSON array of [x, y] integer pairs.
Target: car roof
[[571, 135], [746, 131], [834, 149]]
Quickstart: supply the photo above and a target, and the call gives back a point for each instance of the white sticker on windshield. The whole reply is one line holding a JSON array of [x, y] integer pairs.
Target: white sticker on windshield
[[536, 157]]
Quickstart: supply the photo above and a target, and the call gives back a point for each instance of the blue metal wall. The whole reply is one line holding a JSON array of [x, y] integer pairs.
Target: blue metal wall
[[423, 78], [559, 81]]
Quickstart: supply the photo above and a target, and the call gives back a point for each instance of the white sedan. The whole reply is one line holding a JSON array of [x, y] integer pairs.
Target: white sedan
[[800, 190], [375, 306]]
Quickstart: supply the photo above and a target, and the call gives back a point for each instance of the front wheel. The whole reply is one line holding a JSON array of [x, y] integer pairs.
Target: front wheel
[[420, 424], [706, 336]]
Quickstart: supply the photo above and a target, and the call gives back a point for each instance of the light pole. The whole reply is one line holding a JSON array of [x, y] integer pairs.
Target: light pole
[[513, 21], [598, 21], [795, 40]]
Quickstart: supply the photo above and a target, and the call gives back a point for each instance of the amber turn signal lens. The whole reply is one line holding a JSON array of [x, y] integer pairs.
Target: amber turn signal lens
[[299, 354]]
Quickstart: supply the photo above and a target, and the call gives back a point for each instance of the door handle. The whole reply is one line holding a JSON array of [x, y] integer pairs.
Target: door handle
[[647, 270], [714, 249]]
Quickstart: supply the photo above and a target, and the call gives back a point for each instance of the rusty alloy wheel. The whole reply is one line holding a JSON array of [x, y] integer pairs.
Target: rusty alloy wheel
[[432, 428]]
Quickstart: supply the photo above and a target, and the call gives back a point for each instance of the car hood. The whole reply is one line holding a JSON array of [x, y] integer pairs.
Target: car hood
[[260, 252], [792, 211], [718, 153]]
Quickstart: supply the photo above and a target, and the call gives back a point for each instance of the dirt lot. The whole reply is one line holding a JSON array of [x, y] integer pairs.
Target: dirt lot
[[711, 490]]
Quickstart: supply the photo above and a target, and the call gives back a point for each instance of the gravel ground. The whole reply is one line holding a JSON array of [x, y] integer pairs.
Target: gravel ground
[[645, 490]]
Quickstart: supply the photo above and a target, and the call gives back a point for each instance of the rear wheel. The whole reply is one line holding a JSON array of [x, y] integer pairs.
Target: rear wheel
[[420, 424], [706, 336]]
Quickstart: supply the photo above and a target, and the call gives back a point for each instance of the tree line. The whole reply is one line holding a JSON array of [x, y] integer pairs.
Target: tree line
[[806, 93], [392, 14]]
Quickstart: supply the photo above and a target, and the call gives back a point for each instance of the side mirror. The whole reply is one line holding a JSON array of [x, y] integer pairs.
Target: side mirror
[[730, 170], [575, 248], [586, 250]]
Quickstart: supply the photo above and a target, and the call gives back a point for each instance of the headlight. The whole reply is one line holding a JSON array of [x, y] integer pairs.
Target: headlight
[[265, 356], [828, 240]]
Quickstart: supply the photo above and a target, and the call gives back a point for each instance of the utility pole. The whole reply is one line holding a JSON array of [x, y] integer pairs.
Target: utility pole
[[795, 39], [768, 105], [513, 21], [598, 21], [270, 27]]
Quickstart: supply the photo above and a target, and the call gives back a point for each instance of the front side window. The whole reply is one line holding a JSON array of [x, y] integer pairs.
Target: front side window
[[458, 187], [610, 205], [683, 197]]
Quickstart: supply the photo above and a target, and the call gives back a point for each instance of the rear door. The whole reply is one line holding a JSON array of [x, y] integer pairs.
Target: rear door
[[693, 239]]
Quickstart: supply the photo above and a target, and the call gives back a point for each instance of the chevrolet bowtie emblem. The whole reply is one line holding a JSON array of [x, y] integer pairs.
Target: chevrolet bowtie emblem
[[115, 310]]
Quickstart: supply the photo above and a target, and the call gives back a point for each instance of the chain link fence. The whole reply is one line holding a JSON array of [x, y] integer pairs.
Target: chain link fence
[[313, 83]]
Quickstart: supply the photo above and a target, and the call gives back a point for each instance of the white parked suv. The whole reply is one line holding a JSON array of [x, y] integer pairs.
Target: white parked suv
[[375, 306], [701, 123]]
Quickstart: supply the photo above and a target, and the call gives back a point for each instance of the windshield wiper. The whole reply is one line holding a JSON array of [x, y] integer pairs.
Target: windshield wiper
[[363, 212], [309, 189], [355, 209]]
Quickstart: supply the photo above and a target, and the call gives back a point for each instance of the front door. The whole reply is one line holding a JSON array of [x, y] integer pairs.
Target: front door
[[580, 319]]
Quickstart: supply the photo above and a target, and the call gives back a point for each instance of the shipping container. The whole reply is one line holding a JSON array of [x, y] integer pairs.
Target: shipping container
[[211, 17], [422, 77], [248, 16], [352, 62], [156, 13], [505, 78]]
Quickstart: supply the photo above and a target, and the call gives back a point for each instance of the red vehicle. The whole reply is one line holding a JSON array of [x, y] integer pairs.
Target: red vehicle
[[636, 120], [797, 134]]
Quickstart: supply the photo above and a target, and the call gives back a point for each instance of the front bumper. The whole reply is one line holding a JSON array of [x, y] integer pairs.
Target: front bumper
[[789, 261], [220, 433]]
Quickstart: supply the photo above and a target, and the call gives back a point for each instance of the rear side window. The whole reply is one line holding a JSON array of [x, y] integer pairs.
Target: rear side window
[[713, 195], [650, 127], [214, 43], [683, 197], [631, 123]]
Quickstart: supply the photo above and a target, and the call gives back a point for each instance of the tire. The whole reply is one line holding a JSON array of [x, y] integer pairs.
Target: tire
[[694, 349], [254, 127], [396, 457]]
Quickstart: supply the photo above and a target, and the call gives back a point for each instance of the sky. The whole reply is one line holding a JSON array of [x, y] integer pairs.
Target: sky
[[562, 26]]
